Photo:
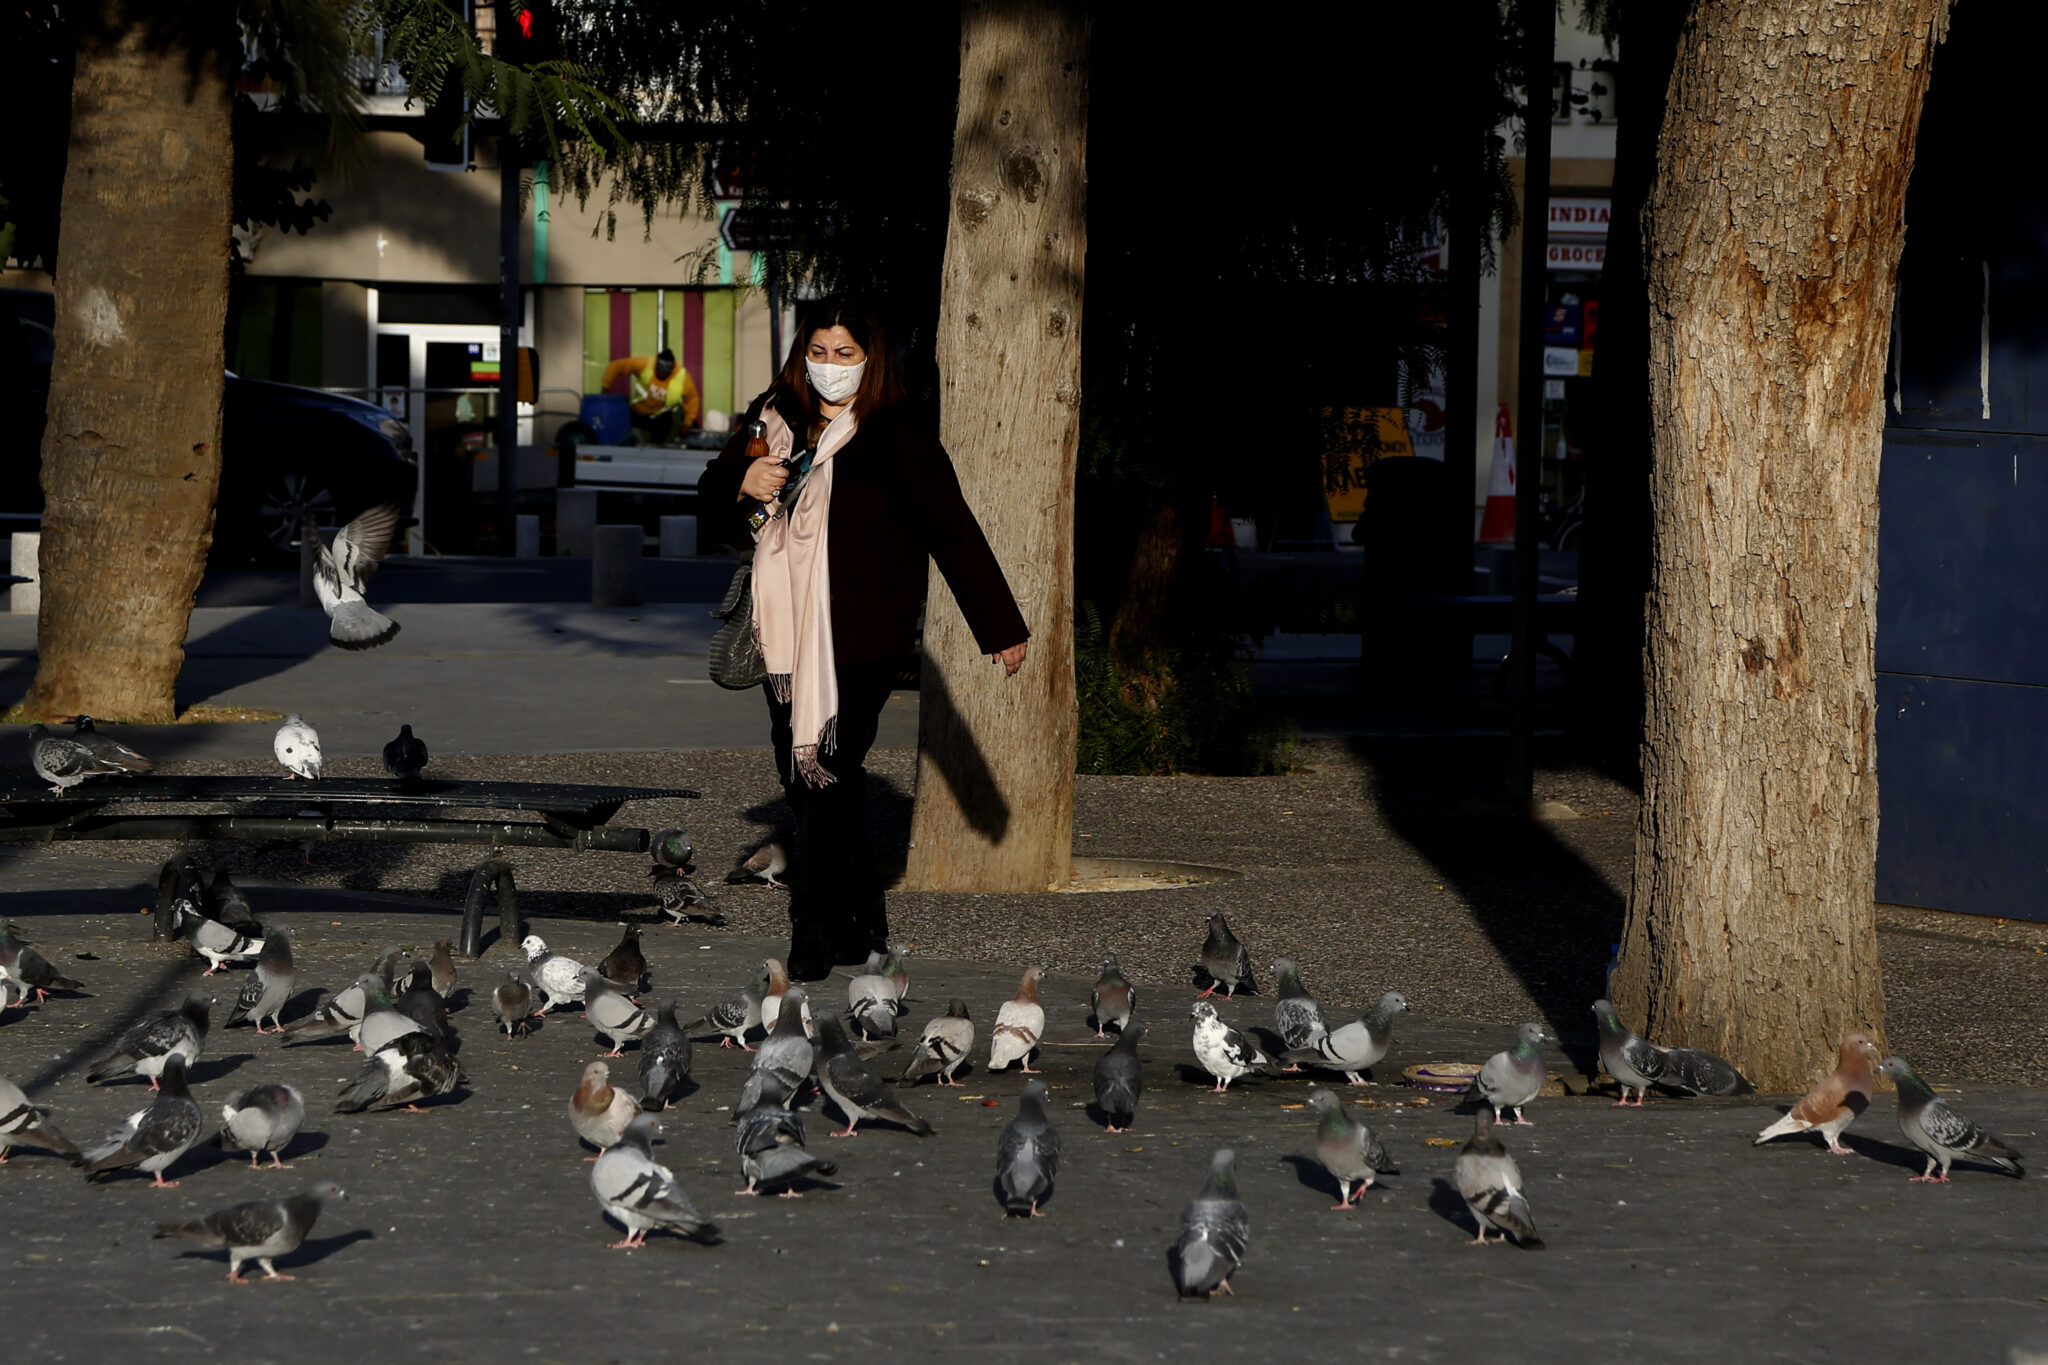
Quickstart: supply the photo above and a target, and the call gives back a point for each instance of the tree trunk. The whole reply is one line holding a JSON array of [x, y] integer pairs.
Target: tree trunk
[[1139, 626], [995, 770], [131, 454], [1776, 225]]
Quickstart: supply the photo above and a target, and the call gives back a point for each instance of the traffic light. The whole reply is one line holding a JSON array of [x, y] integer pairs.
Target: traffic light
[[529, 32]]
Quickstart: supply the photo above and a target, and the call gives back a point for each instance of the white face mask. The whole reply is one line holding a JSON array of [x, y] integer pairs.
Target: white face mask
[[834, 383]]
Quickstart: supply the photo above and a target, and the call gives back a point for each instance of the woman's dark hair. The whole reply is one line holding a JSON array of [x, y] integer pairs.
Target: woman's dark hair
[[881, 383]]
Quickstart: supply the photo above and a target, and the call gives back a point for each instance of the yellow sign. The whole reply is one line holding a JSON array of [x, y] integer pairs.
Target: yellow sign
[[1351, 449]]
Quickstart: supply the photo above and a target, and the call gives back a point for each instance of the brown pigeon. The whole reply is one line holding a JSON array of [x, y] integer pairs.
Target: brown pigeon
[[1834, 1104]]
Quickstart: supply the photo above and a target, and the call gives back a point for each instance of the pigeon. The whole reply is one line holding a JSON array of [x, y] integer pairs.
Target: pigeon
[[770, 1142], [1349, 1150], [441, 968], [1113, 998], [214, 941], [678, 893], [400, 1073], [155, 1137], [854, 1086], [1019, 1023], [381, 1022], [1223, 1052], [767, 863], [1937, 1130], [664, 1058], [405, 757], [268, 989], [64, 762], [1836, 1102], [871, 1005], [297, 747], [341, 1014], [1703, 1073], [422, 1005], [1491, 1185], [1119, 1080], [512, 1002], [943, 1046], [640, 1192], [258, 1231], [1357, 1046], [28, 969], [1225, 961], [559, 978], [672, 849], [762, 1088], [599, 1111], [340, 573], [1510, 1079], [1633, 1063], [263, 1118], [613, 1013], [1297, 1018], [771, 995], [1027, 1155], [1214, 1231], [787, 1050], [23, 1124], [106, 747], [894, 964], [623, 966], [154, 1043], [740, 1013], [230, 905]]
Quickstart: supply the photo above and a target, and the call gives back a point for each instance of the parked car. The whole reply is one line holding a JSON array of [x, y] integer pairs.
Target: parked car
[[286, 452]]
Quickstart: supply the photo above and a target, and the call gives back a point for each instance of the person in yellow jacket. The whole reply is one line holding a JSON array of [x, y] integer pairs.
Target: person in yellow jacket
[[656, 386]]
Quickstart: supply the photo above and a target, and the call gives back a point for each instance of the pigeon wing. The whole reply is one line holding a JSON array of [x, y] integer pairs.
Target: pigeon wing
[[360, 546]]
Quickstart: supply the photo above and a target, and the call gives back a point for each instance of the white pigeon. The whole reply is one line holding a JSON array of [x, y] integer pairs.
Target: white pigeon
[[559, 978], [297, 746], [1223, 1052], [344, 567], [1018, 1025]]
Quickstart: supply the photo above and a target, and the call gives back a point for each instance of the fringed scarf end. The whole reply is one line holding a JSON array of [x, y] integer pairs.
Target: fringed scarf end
[[778, 687], [810, 768]]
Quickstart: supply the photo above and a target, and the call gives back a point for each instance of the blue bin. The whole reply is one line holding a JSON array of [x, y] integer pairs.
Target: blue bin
[[608, 417]]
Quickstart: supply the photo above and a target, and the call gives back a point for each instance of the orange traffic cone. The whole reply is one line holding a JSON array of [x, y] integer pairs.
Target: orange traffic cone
[[1497, 526]]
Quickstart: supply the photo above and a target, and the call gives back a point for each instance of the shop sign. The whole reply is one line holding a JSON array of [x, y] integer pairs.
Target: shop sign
[[1576, 255]]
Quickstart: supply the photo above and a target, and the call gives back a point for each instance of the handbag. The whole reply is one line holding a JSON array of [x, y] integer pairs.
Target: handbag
[[736, 661]]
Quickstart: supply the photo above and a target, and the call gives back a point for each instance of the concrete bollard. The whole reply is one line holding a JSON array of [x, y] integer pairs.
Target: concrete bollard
[[678, 537], [575, 521], [526, 538], [615, 566], [26, 599]]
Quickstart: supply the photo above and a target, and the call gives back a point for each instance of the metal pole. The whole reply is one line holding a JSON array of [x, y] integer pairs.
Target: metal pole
[[1539, 38], [1464, 254], [774, 329], [508, 342]]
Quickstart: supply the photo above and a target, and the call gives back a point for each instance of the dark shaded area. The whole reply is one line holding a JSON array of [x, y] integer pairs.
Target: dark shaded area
[[949, 742]]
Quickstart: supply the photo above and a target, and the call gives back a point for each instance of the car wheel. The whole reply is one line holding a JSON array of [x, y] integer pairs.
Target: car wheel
[[282, 506]]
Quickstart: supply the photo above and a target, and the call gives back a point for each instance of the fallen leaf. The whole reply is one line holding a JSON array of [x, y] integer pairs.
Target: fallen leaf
[[1445, 1142]]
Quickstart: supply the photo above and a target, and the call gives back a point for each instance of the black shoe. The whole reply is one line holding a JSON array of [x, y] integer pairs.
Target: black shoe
[[808, 962]]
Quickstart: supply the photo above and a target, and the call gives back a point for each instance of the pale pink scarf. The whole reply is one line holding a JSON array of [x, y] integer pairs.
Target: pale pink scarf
[[793, 600]]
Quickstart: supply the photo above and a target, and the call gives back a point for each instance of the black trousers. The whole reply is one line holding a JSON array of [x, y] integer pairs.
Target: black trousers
[[836, 905]]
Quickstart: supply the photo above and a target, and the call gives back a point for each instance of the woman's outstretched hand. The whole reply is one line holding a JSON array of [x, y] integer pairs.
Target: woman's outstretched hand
[[1011, 659]]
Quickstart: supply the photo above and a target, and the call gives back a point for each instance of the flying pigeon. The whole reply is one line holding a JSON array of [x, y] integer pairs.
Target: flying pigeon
[[1297, 1018], [1019, 1023], [1357, 1046], [230, 905], [787, 1051], [613, 1013], [1027, 1155], [512, 1003], [770, 1142], [624, 966], [739, 1013], [1112, 998], [63, 762], [1214, 1232], [943, 1046], [1836, 1102], [405, 757], [268, 989], [678, 893], [263, 1118], [1939, 1131], [1349, 1150], [640, 1192], [297, 747], [28, 969], [598, 1110], [400, 1073], [1225, 962], [154, 1043], [1223, 1052], [214, 941], [258, 1231], [107, 748], [672, 848], [1491, 1185], [854, 1086], [1119, 1080], [664, 1059], [559, 978], [767, 863], [155, 1137], [343, 569], [1510, 1079], [441, 968], [23, 1124]]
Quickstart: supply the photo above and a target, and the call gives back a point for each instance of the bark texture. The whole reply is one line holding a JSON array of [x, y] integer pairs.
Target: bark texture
[[1776, 226], [131, 454], [995, 773]]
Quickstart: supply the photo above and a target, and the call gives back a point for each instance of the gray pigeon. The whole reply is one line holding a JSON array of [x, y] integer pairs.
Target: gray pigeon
[[401, 1072], [263, 1118], [672, 848], [155, 1137], [1634, 1064], [1225, 962], [1297, 1018], [106, 747], [787, 1050], [269, 987], [1491, 1185], [612, 1012], [150, 1046], [625, 966], [1358, 1046], [1703, 1073], [341, 1014], [943, 1046], [512, 1003], [381, 1022], [664, 1059], [297, 747], [405, 757], [853, 1085], [1027, 1155], [1214, 1232], [762, 1089], [214, 941], [871, 1005], [640, 1192], [258, 1231], [1113, 998], [1223, 1052], [739, 1013], [1942, 1134], [23, 1124], [229, 904], [770, 1142], [64, 762], [27, 968], [1119, 1080], [1349, 1150], [1512, 1078], [344, 568]]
